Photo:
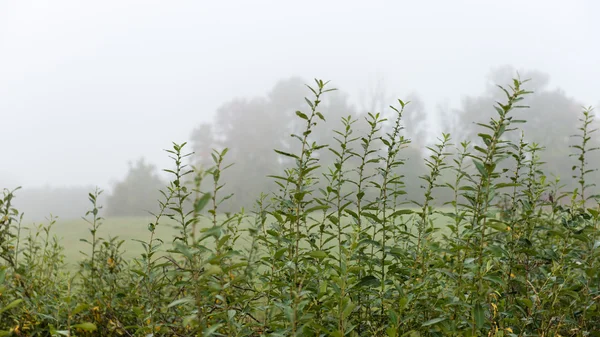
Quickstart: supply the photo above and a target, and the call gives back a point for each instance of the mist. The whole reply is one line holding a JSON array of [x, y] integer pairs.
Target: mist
[[88, 88]]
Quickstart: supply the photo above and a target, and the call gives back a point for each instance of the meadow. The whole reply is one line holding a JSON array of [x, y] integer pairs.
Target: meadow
[[128, 229], [338, 253]]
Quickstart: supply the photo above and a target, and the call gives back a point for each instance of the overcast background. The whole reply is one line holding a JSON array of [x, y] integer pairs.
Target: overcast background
[[86, 86]]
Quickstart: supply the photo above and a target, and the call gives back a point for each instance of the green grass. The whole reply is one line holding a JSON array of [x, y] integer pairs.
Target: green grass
[[70, 233]]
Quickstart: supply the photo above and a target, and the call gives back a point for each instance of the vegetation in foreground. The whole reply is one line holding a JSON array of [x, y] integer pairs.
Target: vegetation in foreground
[[340, 253]]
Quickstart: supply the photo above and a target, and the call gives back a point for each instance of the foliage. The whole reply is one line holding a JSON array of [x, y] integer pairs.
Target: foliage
[[551, 119], [341, 250], [251, 128]]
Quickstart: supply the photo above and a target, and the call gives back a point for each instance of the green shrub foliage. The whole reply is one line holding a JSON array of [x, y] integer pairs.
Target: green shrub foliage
[[335, 250]]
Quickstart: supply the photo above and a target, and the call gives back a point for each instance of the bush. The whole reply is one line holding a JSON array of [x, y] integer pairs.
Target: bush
[[505, 257]]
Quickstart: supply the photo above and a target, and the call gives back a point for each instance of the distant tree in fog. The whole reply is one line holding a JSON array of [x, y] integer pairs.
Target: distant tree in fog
[[137, 193], [551, 118], [251, 128], [69, 202], [203, 142], [377, 98]]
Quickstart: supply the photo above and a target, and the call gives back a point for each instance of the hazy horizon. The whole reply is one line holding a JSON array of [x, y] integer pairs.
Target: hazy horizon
[[86, 87]]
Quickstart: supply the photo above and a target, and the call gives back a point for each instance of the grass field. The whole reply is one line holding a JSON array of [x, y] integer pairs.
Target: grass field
[[70, 233]]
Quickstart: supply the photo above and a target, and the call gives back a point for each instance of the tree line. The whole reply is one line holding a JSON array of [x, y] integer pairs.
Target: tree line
[[251, 127]]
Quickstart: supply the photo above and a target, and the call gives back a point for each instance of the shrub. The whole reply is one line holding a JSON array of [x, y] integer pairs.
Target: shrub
[[347, 253]]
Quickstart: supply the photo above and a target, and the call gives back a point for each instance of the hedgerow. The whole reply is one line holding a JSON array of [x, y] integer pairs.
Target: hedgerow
[[512, 254]]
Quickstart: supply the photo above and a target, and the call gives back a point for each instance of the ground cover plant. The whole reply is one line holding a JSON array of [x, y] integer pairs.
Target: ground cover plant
[[337, 251]]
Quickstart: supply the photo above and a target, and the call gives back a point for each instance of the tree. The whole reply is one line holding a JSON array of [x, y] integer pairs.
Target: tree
[[551, 118], [376, 98], [203, 140], [415, 128], [138, 193], [65, 202], [252, 128]]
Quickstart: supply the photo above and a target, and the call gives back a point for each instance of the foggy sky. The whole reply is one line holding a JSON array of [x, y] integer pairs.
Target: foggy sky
[[86, 86]]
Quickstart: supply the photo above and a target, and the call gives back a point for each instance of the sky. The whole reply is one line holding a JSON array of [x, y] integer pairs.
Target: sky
[[88, 86]]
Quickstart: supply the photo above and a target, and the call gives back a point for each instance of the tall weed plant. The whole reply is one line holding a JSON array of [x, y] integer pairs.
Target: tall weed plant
[[505, 257]]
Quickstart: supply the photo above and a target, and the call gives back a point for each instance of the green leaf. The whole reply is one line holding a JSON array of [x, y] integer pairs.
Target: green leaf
[[279, 253], [478, 315], [526, 302], [480, 149], [352, 213], [495, 279], [180, 301], [212, 270], [319, 254], [214, 231], [402, 212], [480, 168], [79, 308], [11, 305], [87, 326], [202, 202], [277, 216], [139, 272], [397, 251], [287, 154], [368, 281], [348, 309], [434, 321], [498, 225], [301, 115], [503, 185], [402, 303], [372, 217], [273, 233]]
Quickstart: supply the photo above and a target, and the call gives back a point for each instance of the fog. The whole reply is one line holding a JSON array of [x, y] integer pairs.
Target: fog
[[87, 87]]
